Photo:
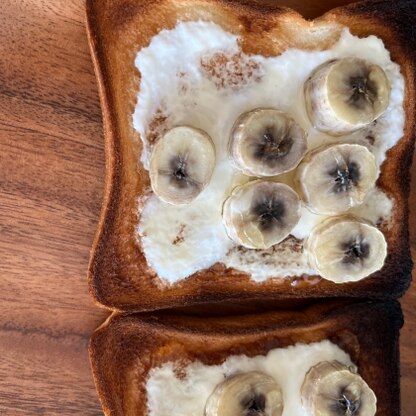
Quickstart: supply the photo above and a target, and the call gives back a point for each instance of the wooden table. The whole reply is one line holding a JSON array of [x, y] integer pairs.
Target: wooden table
[[52, 176]]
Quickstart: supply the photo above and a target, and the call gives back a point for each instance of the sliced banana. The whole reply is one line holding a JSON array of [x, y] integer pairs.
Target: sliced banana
[[335, 178], [247, 394], [344, 95], [332, 389], [266, 142], [261, 213], [345, 249], [181, 165]]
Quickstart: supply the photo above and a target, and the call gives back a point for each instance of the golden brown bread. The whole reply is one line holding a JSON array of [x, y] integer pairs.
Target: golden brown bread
[[125, 348], [118, 273]]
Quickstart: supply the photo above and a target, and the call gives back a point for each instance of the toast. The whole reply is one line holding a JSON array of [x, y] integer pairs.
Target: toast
[[126, 348], [120, 277]]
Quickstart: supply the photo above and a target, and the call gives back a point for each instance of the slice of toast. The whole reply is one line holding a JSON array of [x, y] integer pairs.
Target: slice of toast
[[127, 347], [119, 275]]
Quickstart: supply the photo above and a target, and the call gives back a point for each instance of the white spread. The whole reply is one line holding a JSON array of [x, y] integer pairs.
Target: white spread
[[196, 74], [169, 395]]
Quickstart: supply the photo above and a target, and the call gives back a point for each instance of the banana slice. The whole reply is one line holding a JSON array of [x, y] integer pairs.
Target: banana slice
[[335, 178], [332, 389], [266, 142], [345, 249], [344, 95], [181, 165], [247, 394], [260, 214]]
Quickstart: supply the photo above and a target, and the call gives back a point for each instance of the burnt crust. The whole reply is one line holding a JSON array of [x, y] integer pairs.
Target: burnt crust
[[119, 277], [126, 347]]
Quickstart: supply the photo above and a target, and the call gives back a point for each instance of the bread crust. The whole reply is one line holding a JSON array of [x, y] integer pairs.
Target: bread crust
[[126, 347], [119, 277]]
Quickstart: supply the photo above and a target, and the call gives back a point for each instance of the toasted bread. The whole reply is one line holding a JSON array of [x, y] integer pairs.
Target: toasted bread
[[119, 275], [126, 347]]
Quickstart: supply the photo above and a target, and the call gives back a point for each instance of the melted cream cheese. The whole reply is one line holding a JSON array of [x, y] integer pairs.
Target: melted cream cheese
[[196, 74], [169, 395]]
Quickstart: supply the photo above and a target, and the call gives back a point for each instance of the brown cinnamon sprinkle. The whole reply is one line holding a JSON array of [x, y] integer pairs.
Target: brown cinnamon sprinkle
[[156, 126], [230, 71], [179, 237]]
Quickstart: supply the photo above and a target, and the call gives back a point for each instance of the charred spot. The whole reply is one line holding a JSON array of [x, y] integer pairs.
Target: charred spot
[[363, 91], [127, 10], [254, 404], [256, 25], [269, 211], [269, 148], [345, 177], [355, 250]]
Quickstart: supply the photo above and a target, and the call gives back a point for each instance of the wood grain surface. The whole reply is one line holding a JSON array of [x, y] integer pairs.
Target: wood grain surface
[[52, 176]]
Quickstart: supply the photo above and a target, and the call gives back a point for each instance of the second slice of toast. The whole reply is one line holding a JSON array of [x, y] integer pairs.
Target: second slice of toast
[[126, 352]]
